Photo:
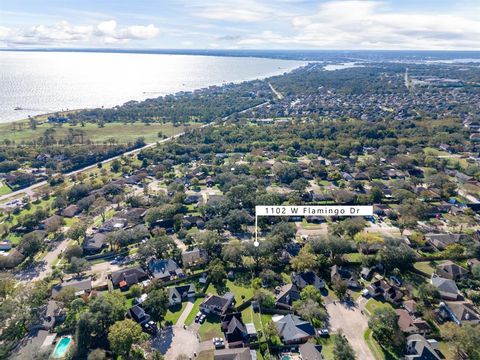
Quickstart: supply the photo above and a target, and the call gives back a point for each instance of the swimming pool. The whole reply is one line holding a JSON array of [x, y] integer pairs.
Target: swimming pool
[[287, 357], [62, 348]]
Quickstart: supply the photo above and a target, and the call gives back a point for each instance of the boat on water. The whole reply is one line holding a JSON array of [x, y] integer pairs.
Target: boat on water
[[18, 108]]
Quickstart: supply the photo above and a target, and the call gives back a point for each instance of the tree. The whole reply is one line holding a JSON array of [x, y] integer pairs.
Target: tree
[[340, 288], [265, 298], [428, 293], [233, 251], [31, 243], [396, 254], [156, 304], [464, 339], [99, 207], [305, 260], [123, 335], [366, 240], [97, 354], [312, 311], [77, 231], [217, 272], [384, 326], [311, 292], [271, 333], [77, 266], [73, 251], [342, 350]]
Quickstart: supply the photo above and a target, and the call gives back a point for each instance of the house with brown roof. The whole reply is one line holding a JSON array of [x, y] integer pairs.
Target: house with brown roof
[[410, 325], [126, 277]]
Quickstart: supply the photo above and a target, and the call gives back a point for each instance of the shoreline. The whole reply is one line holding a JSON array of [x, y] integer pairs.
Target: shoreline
[[274, 73]]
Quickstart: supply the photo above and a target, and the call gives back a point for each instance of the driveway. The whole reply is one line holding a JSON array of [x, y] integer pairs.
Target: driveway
[[185, 313], [175, 341], [353, 324]]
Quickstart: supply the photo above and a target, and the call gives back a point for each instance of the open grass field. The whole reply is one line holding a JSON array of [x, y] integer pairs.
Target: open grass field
[[121, 132], [4, 189]]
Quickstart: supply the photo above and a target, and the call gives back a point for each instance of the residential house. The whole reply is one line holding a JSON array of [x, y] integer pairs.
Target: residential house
[[452, 271], [339, 273], [137, 314], [307, 278], [381, 288], [285, 296], [419, 348], [194, 257], [309, 351], [410, 306], [82, 287], [448, 288], [126, 277], [411, 325], [54, 315], [293, 329], [219, 305], [441, 241], [234, 329], [235, 354], [164, 269], [94, 244], [177, 294], [70, 211], [460, 312]]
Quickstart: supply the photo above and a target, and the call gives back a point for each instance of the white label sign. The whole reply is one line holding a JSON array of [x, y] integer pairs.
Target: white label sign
[[304, 210]]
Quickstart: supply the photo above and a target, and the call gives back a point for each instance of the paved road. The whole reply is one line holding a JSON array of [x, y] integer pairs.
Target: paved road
[[175, 341], [41, 271], [353, 324]]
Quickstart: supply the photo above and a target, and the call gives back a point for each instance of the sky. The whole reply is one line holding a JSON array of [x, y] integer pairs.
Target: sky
[[241, 24]]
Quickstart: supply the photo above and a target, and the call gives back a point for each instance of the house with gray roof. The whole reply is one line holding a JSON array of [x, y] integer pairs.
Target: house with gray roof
[[94, 244], [447, 288], [285, 296], [216, 304], [124, 278], [452, 271], [304, 279], [460, 312], [81, 287], [164, 269], [293, 329], [441, 241], [419, 348], [235, 354], [177, 294]]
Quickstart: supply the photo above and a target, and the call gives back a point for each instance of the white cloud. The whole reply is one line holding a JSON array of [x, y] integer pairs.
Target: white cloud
[[64, 33], [232, 10], [369, 24]]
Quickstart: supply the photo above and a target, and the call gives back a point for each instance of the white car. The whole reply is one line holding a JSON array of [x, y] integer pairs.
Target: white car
[[219, 343]]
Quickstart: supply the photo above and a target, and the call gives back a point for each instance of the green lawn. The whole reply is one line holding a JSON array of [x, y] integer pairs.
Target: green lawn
[[191, 317], [174, 312], [210, 328], [373, 304], [4, 189], [426, 267], [327, 347], [123, 133], [206, 355]]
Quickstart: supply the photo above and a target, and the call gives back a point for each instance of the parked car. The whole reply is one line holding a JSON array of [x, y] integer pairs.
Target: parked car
[[219, 343], [324, 332], [150, 327], [197, 317], [365, 293], [202, 318]]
